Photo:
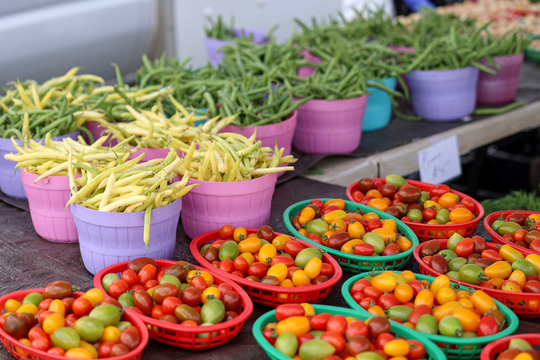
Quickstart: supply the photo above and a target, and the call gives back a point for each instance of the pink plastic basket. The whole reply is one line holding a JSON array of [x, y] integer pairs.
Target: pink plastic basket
[[241, 203], [47, 200], [503, 86]]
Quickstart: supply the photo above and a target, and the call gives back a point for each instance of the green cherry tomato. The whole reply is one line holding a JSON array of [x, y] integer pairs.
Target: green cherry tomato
[[448, 255], [229, 250], [66, 338], [203, 249], [316, 349], [496, 224], [213, 311], [317, 226], [453, 241], [89, 329], [122, 325], [395, 180], [400, 312], [376, 241], [206, 334], [456, 264], [170, 279], [415, 214], [520, 344], [126, 300], [509, 227], [33, 298], [450, 326], [453, 274], [443, 216], [472, 274], [316, 333], [368, 355], [107, 313], [426, 324], [287, 344], [108, 279], [424, 196]]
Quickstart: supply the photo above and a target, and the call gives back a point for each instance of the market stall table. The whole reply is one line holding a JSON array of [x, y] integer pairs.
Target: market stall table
[[27, 261]]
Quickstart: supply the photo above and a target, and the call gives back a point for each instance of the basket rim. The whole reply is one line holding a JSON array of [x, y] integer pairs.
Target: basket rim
[[494, 292], [134, 320], [489, 219], [239, 320], [404, 229], [511, 318], [489, 348], [269, 316], [197, 242], [434, 227]]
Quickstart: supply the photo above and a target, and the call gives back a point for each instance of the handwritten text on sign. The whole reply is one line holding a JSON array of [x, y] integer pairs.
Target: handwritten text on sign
[[440, 162]]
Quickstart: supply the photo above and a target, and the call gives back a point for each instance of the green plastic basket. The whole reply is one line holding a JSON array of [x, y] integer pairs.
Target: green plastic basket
[[433, 352], [533, 54], [352, 262], [454, 348]]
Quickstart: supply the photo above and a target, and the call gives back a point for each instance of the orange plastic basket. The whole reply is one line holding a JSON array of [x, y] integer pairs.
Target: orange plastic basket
[[271, 295], [488, 220], [523, 304], [426, 232], [494, 348], [21, 351], [186, 336]]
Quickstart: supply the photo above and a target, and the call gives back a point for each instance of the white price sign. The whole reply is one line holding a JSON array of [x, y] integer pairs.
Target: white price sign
[[440, 162]]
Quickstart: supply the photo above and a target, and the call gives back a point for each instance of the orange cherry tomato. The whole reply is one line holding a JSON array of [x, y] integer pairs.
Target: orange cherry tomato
[[460, 215], [340, 203], [356, 230], [239, 234]]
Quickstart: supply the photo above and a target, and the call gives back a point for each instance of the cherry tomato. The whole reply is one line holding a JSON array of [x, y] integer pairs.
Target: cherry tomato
[[190, 295], [258, 269], [226, 232], [118, 287], [336, 340], [464, 248], [143, 301], [81, 306], [439, 190], [170, 303], [148, 272], [241, 264], [130, 277], [337, 324]]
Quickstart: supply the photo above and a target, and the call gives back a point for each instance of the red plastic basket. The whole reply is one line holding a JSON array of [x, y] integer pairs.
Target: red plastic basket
[[426, 232], [523, 304], [488, 220], [21, 351], [497, 346], [186, 336], [270, 295]]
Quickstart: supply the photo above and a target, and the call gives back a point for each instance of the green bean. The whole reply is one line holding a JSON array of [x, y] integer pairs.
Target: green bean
[[501, 110]]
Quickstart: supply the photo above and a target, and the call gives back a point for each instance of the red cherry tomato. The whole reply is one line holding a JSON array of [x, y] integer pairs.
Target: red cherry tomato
[[337, 324]]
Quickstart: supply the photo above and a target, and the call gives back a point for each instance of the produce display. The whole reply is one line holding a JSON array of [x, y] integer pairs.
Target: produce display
[[462, 320], [503, 272], [517, 228], [327, 332], [416, 203], [57, 322], [264, 262], [360, 239], [185, 305]]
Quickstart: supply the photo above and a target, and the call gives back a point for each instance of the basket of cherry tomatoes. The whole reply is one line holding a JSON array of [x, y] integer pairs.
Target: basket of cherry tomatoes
[[521, 346], [182, 305], [55, 323], [359, 237], [431, 211], [272, 268], [461, 322], [330, 332], [516, 228], [501, 271]]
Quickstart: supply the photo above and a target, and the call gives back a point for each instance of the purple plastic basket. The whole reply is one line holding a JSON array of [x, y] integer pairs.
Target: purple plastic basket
[[213, 45], [503, 86], [10, 178], [107, 238], [329, 127], [47, 201], [443, 95], [214, 204]]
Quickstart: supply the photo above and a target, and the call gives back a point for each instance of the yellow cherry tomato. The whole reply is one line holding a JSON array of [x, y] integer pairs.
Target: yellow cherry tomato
[[482, 301], [308, 309], [384, 283], [33, 309], [279, 270], [445, 310], [338, 225], [448, 199], [399, 278], [510, 254], [58, 306], [111, 333], [378, 204], [466, 303], [356, 230], [523, 356], [460, 215], [53, 322], [79, 353], [445, 295], [397, 347], [249, 257], [371, 215], [300, 278], [463, 294], [388, 236], [499, 269], [313, 268], [374, 192], [424, 297], [303, 232], [95, 296], [403, 243], [306, 215], [239, 234], [431, 203], [440, 282], [250, 245], [404, 293], [279, 241], [468, 319], [519, 277], [389, 224], [266, 253], [511, 286], [211, 292], [298, 325], [12, 305], [339, 203], [287, 283], [376, 310], [336, 214]]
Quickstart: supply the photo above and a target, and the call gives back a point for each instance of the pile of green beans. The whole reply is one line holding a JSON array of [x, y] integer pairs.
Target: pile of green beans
[[511, 43], [219, 30]]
